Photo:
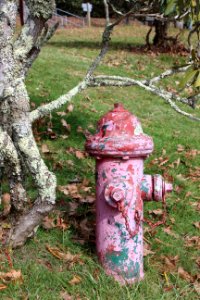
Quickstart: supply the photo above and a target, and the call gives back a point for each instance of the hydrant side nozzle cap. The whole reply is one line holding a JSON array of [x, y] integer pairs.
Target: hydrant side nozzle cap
[[119, 134], [168, 187]]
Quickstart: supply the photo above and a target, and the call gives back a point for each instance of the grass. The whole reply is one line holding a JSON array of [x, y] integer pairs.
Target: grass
[[61, 65]]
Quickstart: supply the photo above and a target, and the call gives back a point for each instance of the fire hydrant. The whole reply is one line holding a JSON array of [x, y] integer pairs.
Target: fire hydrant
[[120, 147]]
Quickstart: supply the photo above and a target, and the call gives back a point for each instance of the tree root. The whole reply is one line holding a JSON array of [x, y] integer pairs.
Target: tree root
[[27, 223]]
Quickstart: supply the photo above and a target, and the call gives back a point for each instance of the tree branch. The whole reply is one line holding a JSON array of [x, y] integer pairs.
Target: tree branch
[[47, 108], [125, 81], [39, 13]]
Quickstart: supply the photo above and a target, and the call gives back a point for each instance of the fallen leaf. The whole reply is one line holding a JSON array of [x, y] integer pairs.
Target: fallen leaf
[[66, 125], [180, 148], [79, 129], [147, 250], [198, 261], [12, 275], [156, 212], [45, 149], [181, 177], [48, 223], [196, 285], [70, 163], [79, 154], [170, 232], [75, 280], [70, 190], [61, 113], [70, 108], [3, 287], [196, 205], [196, 224], [66, 256], [184, 274], [170, 263], [65, 296], [193, 241], [61, 224], [6, 202], [64, 137]]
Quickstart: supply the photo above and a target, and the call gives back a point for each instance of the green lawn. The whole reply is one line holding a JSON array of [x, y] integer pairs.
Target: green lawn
[[61, 65]]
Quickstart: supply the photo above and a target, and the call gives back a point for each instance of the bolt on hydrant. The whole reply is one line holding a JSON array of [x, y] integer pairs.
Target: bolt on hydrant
[[120, 147]]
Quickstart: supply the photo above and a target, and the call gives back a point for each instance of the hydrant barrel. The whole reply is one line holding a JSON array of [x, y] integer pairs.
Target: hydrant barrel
[[120, 147]]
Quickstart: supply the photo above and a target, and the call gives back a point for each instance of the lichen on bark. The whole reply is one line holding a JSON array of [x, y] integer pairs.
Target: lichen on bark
[[41, 8]]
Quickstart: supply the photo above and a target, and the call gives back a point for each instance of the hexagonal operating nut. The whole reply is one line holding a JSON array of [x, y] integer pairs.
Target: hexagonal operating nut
[[115, 192], [117, 195]]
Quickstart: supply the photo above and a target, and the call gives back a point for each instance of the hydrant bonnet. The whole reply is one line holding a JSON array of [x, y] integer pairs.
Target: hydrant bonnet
[[119, 134]]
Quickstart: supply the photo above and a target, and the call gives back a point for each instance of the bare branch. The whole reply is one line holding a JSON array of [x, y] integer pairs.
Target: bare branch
[[39, 13], [106, 6], [47, 34], [47, 108], [105, 43], [121, 81], [169, 73]]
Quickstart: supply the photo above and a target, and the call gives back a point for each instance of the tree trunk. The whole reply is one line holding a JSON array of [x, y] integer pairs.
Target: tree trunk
[[17, 143], [160, 37]]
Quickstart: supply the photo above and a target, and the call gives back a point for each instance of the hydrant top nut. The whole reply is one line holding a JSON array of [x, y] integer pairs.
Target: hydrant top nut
[[119, 134]]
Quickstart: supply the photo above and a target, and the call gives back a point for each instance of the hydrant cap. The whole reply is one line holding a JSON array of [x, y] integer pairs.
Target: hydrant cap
[[119, 134]]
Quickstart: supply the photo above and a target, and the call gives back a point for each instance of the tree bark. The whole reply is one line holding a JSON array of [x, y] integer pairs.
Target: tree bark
[[160, 33], [17, 143]]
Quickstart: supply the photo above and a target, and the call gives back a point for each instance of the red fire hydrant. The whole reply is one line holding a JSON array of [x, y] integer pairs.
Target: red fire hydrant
[[120, 147]]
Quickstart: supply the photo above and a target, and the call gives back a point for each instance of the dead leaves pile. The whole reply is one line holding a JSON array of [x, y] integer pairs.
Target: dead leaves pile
[[78, 212]]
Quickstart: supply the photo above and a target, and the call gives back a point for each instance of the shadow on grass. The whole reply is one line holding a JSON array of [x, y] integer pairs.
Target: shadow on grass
[[136, 48], [114, 45]]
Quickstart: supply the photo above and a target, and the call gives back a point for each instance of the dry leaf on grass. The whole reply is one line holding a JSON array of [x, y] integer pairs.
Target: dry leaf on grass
[[66, 125], [48, 223], [184, 275], [65, 296], [170, 263], [61, 113], [170, 232], [3, 287], [195, 205], [196, 285], [70, 190], [80, 154], [180, 148], [70, 108], [193, 241], [75, 280], [147, 250], [156, 212], [66, 256], [197, 225], [6, 202], [12, 275], [45, 149]]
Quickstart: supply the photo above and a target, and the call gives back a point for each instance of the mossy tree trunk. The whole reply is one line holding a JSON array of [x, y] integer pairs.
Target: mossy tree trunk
[[17, 144]]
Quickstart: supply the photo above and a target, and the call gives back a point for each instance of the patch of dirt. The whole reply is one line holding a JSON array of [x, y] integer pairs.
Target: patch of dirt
[[154, 50]]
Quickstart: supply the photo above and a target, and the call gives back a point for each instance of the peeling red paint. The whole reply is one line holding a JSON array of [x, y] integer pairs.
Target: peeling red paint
[[120, 147]]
